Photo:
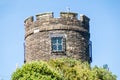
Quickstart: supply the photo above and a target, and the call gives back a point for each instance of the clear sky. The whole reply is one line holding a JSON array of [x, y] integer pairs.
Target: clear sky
[[104, 29]]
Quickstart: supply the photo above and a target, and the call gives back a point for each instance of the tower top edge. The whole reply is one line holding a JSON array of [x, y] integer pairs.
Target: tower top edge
[[28, 19], [47, 15], [69, 13], [44, 13]]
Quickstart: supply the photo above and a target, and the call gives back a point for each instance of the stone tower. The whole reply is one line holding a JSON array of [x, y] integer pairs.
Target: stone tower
[[48, 37]]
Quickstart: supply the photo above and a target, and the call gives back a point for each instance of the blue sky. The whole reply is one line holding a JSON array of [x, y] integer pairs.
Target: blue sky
[[104, 29]]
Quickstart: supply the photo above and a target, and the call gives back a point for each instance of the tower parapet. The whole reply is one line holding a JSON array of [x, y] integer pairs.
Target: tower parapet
[[44, 16], [73, 33], [70, 15], [85, 21], [66, 18]]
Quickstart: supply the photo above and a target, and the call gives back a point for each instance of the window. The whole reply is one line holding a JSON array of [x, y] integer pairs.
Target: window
[[57, 44], [90, 51]]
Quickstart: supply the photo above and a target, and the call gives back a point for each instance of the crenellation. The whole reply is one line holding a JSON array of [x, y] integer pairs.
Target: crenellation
[[84, 21], [70, 15], [66, 18], [29, 23], [44, 16], [29, 19], [84, 18]]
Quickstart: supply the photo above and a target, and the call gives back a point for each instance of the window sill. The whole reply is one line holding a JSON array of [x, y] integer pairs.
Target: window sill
[[58, 52]]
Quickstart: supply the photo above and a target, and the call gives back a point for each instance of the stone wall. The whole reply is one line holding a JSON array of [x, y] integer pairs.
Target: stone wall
[[38, 40]]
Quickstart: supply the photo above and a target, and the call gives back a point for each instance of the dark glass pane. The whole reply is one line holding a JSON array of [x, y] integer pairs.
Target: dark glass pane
[[60, 47], [54, 40], [54, 47], [60, 40]]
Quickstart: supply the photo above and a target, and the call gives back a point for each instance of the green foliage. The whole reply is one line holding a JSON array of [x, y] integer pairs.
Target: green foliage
[[36, 71], [72, 69], [61, 69]]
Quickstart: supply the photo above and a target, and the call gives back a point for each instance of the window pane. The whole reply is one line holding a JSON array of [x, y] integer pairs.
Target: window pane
[[54, 40], [60, 48], [54, 47], [60, 40]]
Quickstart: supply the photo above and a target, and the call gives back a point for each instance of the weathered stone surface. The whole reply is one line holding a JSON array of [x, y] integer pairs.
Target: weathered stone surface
[[38, 41]]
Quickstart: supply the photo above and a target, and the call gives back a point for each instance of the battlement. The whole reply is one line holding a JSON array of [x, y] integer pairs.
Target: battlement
[[70, 15], [84, 19], [44, 16], [46, 21], [63, 15]]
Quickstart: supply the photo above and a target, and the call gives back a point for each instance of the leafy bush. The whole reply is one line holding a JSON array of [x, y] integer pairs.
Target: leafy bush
[[72, 69], [36, 71], [61, 69]]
